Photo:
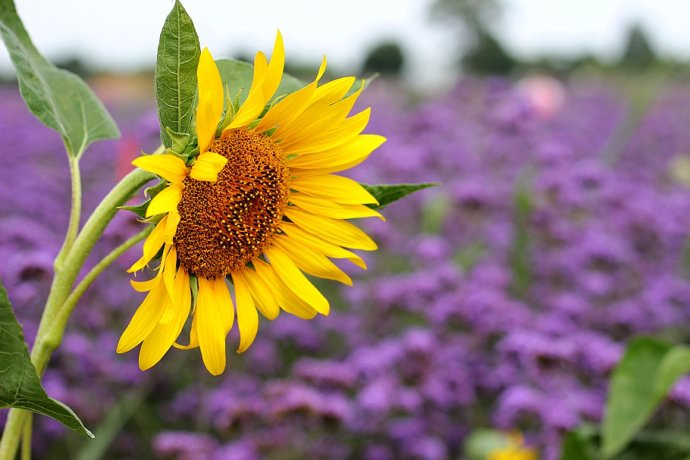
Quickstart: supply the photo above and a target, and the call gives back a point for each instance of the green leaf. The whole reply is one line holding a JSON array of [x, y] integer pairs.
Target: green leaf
[[112, 425], [639, 383], [175, 75], [20, 386], [576, 447], [385, 194], [482, 442], [60, 99]]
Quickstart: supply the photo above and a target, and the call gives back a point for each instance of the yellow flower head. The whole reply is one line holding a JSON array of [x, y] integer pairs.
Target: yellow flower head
[[514, 450], [260, 206]]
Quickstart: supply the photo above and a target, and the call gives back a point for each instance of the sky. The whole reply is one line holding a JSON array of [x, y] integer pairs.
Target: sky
[[123, 35]]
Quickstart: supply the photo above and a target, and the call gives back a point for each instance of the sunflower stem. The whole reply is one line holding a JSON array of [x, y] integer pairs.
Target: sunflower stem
[[84, 284], [75, 212], [54, 317], [26, 438]]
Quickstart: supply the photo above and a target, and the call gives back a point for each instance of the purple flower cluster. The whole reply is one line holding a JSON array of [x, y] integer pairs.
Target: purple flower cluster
[[502, 298]]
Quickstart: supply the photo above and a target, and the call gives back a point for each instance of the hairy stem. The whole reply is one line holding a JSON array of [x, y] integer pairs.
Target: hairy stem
[[84, 284], [75, 212], [26, 438]]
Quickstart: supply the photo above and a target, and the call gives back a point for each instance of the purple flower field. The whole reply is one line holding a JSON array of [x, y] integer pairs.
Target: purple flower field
[[502, 298]]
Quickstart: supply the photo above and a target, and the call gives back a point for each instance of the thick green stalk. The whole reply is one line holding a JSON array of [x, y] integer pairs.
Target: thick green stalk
[[84, 284], [54, 318], [26, 439], [75, 212], [49, 336]]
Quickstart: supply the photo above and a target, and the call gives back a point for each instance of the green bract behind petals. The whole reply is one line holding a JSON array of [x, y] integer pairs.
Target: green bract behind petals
[[237, 78], [386, 194]]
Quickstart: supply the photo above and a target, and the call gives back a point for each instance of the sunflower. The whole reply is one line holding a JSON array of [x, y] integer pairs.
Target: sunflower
[[257, 209]]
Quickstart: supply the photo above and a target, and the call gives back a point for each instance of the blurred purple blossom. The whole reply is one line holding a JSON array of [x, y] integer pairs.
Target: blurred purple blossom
[[434, 340]]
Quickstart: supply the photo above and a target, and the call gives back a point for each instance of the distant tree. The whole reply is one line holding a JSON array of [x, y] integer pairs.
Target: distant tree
[[472, 15], [386, 58], [480, 50], [488, 57], [638, 53], [74, 65]]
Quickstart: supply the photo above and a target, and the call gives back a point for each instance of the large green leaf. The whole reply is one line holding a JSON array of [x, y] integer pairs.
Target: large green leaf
[[20, 386], [639, 383], [385, 194], [60, 99], [175, 76]]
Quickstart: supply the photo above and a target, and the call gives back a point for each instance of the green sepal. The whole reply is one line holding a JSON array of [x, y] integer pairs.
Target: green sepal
[[363, 84], [59, 99], [176, 73], [194, 287], [20, 385], [237, 78], [149, 193], [386, 194], [179, 142], [229, 109]]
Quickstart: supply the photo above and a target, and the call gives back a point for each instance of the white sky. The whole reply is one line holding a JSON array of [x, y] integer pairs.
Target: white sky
[[123, 34]]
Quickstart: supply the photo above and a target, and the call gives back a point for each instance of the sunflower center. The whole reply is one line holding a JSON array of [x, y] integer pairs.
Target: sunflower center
[[227, 223]]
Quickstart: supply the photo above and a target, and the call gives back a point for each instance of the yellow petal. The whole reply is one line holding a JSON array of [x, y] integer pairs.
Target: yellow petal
[[274, 73], [210, 328], [210, 100], [287, 300], [340, 158], [173, 218], [334, 90], [157, 344], [328, 249], [255, 102], [144, 286], [340, 134], [152, 245], [287, 109], [169, 268], [318, 120], [193, 338], [169, 167], [334, 231], [207, 166], [166, 200], [296, 281], [334, 188], [222, 296], [310, 261], [144, 319], [247, 318], [265, 301], [327, 208]]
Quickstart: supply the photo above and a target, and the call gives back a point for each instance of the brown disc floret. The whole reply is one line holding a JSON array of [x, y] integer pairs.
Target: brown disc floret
[[227, 223]]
